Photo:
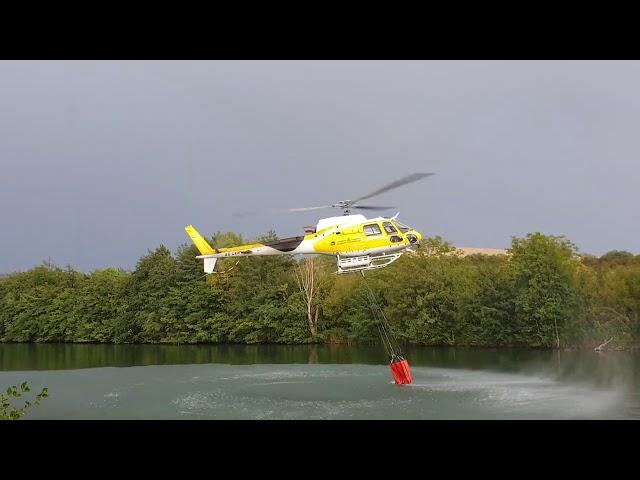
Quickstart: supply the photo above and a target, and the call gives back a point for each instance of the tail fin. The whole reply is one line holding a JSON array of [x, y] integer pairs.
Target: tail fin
[[209, 265], [201, 244]]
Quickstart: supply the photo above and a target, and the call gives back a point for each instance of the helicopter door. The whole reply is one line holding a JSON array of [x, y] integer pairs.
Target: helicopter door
[[372, 237]]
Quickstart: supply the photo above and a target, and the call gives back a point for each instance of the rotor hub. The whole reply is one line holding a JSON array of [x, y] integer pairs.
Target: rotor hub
[[344, 205]]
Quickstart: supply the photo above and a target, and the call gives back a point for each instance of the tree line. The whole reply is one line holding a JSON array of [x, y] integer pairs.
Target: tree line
[[543, 293]]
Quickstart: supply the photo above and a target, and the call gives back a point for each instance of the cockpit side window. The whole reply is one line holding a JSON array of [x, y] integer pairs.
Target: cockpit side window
[[372, 229], [403, 228], [389, 228]]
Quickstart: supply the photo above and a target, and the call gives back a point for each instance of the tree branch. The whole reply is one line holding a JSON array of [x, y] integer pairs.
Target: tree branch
[[600, 347]]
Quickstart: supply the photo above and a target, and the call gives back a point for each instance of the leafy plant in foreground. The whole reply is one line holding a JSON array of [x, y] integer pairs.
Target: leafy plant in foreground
[[12, 412]]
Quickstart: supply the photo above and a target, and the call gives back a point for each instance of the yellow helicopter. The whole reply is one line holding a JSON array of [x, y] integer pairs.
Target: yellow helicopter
[[359, 243]]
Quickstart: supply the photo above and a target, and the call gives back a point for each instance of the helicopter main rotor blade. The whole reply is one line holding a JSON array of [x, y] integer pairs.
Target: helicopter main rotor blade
[[398, 183], [304, 209], [370, 207]]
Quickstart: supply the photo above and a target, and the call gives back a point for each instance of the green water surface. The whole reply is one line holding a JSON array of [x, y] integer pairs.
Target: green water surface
[[321, 382]]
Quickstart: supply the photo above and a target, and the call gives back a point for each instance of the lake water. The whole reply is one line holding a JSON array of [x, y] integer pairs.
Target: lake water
[[321, 382]]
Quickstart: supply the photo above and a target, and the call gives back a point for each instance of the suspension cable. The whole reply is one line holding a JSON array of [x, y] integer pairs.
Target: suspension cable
[[390, 343]]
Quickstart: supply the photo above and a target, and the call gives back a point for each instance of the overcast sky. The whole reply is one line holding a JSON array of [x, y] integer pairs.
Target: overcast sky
[[101, 161]]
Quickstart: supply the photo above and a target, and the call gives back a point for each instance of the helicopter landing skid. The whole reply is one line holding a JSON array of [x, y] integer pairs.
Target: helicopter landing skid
[[365, 262]]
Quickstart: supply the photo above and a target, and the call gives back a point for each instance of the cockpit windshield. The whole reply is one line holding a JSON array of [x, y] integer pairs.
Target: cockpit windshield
[[402, 227]]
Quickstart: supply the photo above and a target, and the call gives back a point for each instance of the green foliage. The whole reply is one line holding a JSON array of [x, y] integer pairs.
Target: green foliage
[[542, 294], [13, 412], [436, 246], [426, 303], [609, 304], [614, 258], [543, 268]]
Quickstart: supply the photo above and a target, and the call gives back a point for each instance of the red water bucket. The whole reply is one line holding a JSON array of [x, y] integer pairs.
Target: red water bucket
[[400, 371]]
